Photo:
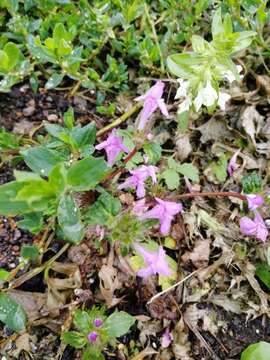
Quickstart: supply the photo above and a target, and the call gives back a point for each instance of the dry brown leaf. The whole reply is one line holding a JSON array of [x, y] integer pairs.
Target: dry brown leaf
[[183, 146], [252, 122], [200, 254], [108, 284], [214, 129], [181, 346], [226, 303]]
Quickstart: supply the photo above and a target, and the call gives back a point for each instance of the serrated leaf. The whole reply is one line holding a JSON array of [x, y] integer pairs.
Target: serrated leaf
[[87, 173], [118, 323], [171, 178], [82, 321], [153, 151], [69, 219], [74, 339], [32, 222], [258, 351], [11, 313], [190, 171], [85, 135]]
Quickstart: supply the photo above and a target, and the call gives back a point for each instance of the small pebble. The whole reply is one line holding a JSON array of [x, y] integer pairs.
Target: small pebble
[[52, 117]]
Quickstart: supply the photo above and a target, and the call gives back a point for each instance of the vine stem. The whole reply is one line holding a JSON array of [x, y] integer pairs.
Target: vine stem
[[209, 194], [121, 119]]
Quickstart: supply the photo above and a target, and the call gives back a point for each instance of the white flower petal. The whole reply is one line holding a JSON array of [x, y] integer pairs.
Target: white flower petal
[[222, 99]]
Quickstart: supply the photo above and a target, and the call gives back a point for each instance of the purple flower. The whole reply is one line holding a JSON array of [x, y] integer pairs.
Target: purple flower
[[156, 262], [138, 178], [254, 201], [139, 207], [166, 338], [232, 166], [164, 211], [254, 227], [98, 322], [152, 100], [92, 337], [113, 146]]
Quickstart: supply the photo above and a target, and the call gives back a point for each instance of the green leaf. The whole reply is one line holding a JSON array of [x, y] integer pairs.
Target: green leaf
[[54, 80], [171, 178], [118, 323], [104, 209], [59, 33], [30, 252], [82, 321], [4, 274], [74, 339], [40, 159], [8, 204], [4, 62], [258, 351], [217, 25], [153, 151], [85, 135], [219, 168], [11, 313], [87, 173], [57, 178], [181, 64], [54, 130], [198, 44], [69, 219], [190, 171], [13, 54], [69, 118], [252, 183], [263, 273], [32, 222]]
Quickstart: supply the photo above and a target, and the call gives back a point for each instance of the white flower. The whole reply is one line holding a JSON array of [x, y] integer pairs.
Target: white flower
[[228, 74], [206, 96], [222, 99], [182, 90], [184, 106]]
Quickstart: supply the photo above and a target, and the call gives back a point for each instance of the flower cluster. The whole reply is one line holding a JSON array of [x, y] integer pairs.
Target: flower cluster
[[93, 335], [255, 227]]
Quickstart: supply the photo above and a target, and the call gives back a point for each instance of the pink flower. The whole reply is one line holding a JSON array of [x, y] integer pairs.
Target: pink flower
[[138, 178], [92, 337], [254, 227], [232, 166], [156, 262], [164, 211], [139, 207], [166, 338], [254, 201], [152, 100], [113, 146], [98, 322]]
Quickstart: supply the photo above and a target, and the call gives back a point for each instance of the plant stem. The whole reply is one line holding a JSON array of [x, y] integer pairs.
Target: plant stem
[[121, 119], [162, 67], [209, 194]]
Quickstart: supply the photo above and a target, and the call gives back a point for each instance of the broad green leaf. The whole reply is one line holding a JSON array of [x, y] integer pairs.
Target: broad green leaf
[[190, 171], [252, 183], [13, 54], [219, 168], [59, 33], [118, 323], [41, 160], [74, 339], [198, 44], [11, 313], [54, 80], [85, 135], [181, 64], [32, 222], [171, 178], [87, 173], [258, 351], [263, 273], [93, 353], [57, 178], [217, 25], [4, 62], [82, 321], [104, 209], [54, 130], [30, 252], [69, 219], [4, 274], [153, 151], [8, 204]]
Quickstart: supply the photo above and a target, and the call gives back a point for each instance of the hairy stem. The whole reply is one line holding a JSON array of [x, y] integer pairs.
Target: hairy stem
[[211, 194]]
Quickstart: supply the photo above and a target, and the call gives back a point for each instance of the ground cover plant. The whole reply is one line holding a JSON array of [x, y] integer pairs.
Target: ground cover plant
[[134, 179]]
